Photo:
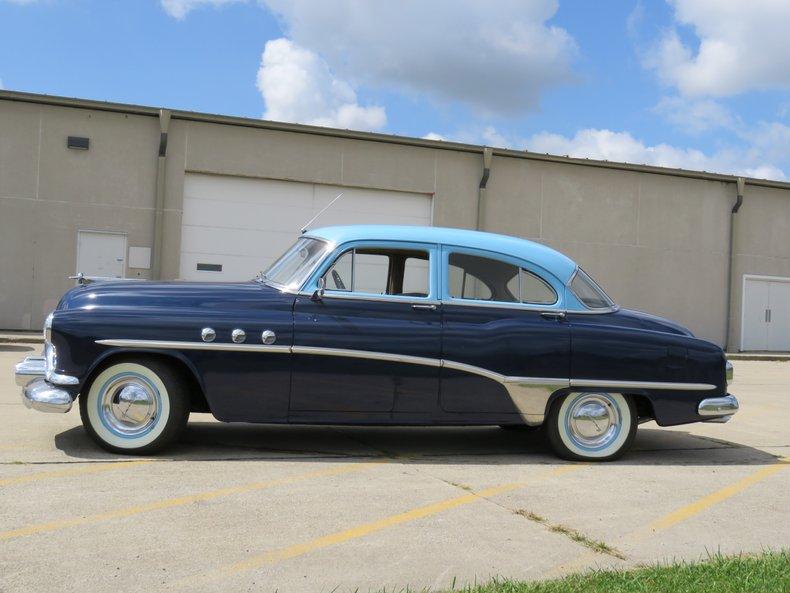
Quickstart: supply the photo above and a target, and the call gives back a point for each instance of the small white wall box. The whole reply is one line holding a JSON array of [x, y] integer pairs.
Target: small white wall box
[[140, 257]]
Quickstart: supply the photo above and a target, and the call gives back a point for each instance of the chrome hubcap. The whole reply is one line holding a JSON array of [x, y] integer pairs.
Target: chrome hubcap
[[593, 420], [129, 406]]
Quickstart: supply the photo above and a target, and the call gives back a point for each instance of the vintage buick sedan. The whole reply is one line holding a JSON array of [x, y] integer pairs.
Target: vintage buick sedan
[[378, 325]]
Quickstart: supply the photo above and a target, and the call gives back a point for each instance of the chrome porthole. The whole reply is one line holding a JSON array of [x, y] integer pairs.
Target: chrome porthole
[[129, 405], [593, 421]]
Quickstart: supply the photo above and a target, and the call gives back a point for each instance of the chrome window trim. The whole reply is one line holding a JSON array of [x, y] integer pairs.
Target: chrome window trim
[[287, 289], [433, 284], [610, 309], [445, 249], [380, 298], [503, 305]]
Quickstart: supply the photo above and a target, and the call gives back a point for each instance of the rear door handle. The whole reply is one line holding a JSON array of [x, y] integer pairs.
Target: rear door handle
[[556, 315], [424, 307]]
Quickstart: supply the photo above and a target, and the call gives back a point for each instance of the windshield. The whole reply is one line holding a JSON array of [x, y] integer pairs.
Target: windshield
[[588, 292], [293, 267]]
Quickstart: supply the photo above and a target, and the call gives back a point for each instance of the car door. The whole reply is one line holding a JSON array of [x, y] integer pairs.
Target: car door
[[505, 343], [368, 349]]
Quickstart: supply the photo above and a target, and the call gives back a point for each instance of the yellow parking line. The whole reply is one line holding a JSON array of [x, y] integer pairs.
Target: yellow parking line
[[93, 468], [705, 502], [169, 503], [345, 535], [676, 516]]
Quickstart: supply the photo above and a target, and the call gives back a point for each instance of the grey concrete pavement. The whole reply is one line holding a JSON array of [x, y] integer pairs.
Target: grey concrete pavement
[[242, 507]]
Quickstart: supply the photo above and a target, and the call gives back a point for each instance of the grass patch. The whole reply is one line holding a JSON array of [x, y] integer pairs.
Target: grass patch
[[593, 544], [765, 573]]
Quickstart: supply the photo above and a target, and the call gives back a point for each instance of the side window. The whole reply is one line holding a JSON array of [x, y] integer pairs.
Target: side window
[[370, 272], [415, 276], [381, 271], [536, 290], [339, 275], [483, 278]]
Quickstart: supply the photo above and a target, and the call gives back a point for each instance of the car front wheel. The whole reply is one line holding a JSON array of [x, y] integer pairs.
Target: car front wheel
[[592, 426], [136, 406]]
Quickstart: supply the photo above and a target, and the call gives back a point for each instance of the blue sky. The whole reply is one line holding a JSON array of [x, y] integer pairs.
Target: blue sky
[[697, 84]]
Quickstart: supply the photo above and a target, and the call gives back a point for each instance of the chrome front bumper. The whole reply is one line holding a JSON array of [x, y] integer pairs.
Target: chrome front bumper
[[37, 393], [720, 409], [40, 395], [30, 368]]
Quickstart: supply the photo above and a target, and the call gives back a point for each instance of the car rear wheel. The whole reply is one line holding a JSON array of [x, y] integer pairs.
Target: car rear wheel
[[592, 426], [136, 406]]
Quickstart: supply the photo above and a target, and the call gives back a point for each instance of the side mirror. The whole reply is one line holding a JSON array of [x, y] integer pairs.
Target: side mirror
[[319, 292]]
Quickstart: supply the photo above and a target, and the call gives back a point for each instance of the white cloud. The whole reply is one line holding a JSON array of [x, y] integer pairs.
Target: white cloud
[[497, 57], [753, 161], [695, 115], [298, 86], [743, 45], [433, 136], [179, 9]]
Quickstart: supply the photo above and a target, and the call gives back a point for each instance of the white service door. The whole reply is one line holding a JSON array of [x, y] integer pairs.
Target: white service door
[[779, 316], [766, 314], [234, 227], [101, 254]]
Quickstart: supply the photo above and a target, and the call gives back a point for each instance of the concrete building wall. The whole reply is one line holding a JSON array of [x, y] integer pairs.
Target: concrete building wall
[[657, 240]]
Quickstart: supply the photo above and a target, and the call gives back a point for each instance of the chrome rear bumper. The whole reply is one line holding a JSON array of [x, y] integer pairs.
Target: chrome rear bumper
[[40, 395], [720, 409]]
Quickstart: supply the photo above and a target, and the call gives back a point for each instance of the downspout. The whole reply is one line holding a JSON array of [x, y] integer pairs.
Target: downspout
[[481, 192], [164, 124], [740, 185]]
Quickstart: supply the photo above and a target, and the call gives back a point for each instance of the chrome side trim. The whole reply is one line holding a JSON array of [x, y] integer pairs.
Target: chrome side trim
[[30, 368], [729, 371], [175, 345], [366, 354], [529, 394], [41, 396], [468, 368], [718, 406], [598, 383]]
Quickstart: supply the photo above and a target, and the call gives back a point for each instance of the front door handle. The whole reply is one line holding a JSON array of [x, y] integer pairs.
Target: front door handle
[[556, 315], [423, 307]]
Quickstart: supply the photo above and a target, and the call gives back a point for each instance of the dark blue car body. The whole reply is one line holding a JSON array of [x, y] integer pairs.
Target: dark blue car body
[[407, 360]]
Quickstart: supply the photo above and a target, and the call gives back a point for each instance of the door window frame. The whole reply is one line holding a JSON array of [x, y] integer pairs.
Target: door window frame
[[543, 274], [323, 268]]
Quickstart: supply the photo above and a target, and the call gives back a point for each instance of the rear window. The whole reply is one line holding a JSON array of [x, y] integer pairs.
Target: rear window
[[588, 292]]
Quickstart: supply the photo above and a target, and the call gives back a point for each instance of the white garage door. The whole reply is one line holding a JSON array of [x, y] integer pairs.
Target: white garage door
[[766, 313], [234, 227]]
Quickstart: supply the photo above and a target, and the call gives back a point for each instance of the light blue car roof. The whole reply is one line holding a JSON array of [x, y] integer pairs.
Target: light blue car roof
[[555, 262]]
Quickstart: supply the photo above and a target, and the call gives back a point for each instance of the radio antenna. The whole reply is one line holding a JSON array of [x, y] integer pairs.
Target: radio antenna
[[324, 209]]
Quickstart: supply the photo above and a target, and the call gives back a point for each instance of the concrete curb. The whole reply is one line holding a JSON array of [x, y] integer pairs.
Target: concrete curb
[[777, 357], [22, 338]]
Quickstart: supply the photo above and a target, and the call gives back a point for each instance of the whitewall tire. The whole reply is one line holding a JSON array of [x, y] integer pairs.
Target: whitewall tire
[[592, 426], [135, 406]]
